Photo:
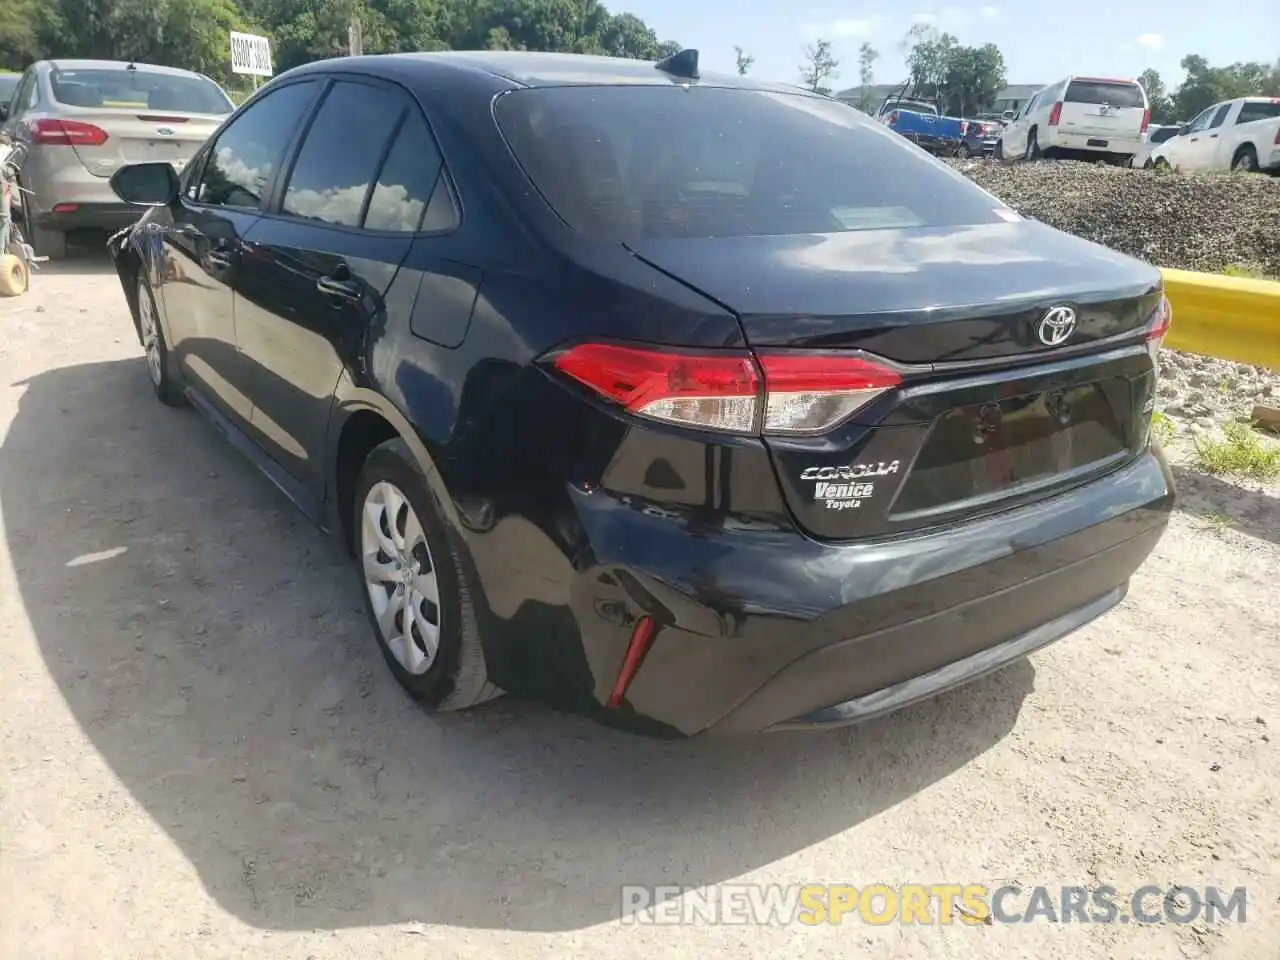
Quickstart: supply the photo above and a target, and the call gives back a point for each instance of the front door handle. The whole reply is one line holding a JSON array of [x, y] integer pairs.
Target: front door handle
[[339, 289], [219, 258]]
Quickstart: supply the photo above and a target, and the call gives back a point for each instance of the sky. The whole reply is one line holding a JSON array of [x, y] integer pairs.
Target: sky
[[1041, 43]]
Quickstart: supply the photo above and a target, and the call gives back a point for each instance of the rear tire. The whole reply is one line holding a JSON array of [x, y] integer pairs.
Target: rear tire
[[417, 590], [1245, 160], [13, 276], [1162, 164], [45, 243]]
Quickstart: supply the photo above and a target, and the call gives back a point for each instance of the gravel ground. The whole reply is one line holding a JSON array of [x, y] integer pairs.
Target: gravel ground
[[204, 756], [1204, 222]]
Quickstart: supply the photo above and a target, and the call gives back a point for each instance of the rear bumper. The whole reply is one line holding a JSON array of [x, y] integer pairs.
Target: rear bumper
[[68, 197], [1090, 143], [761, 631]]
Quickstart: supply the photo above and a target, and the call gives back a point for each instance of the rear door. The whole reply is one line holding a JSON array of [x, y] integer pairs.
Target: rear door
[[1213, 142], [124, 115], [325, 262], [1104, 110]]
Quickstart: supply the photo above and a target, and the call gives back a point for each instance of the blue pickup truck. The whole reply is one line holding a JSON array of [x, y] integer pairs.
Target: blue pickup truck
[[920, 122]]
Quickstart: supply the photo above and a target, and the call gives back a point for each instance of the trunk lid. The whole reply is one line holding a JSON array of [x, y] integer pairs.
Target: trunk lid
[[141, 136], [988, 415]]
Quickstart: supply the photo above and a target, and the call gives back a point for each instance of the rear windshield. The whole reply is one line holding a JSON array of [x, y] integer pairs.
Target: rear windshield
[[1258, 110], [1117, 94], [637, 162], [138, 89]]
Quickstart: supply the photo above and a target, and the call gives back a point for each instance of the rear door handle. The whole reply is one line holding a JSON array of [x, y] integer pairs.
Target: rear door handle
[[1213, 136], [339, 289]]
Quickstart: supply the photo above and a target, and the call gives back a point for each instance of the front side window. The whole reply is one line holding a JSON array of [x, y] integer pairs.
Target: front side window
[[1201, 121], [251, 147], [636, 162], [1220, 116], [339, 160]]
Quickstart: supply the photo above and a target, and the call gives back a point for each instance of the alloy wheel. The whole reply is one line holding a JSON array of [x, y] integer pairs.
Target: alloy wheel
[[400, 577]]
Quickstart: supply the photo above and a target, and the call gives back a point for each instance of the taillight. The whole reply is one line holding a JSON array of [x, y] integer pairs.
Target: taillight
[[809, 393], [67, 133], [1146, 120], [730, 391], [1158, 329], [893, 117], [964, 127], [1055, 114]]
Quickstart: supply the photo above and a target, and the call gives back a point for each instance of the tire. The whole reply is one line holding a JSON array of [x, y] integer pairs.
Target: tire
[[13, 276], [1162, 164], [1148, 165], [151, 333], [453, 675], [1245, 160], [966, 151], [45, 243], [998, 152], [1033, 146]]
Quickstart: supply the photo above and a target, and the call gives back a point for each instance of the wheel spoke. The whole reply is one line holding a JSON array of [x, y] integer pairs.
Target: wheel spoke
[[374, 509], [387, 615], [429, 632], [414, 659], [426, 587], [379, 571]]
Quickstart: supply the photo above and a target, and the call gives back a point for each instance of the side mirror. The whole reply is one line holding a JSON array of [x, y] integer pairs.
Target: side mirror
[[1007, 116], [4, 112], [146, 184], [1184, 129]]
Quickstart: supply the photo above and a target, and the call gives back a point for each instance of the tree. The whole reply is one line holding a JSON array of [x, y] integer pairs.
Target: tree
[[867, 57], [820, 66], [964, 79], [1206, 85], [1157, 97], [744, 61]]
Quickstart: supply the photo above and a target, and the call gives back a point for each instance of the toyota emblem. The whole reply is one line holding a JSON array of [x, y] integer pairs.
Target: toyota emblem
[[1057, 326]]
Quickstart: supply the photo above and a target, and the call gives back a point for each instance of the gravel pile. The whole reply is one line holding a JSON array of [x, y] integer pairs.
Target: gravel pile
[[1206, 222]]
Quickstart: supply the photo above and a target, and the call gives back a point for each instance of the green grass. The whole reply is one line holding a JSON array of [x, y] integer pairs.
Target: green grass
[[1245, 270], [1243, 452], [1162, 428]]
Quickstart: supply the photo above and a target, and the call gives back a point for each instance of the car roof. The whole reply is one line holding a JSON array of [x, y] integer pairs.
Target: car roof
[[153, 68], [535, 69]]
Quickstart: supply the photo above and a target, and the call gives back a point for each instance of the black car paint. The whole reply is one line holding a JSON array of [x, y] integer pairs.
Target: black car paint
[[629, 518]]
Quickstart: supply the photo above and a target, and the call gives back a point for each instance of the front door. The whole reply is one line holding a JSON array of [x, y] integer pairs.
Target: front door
[[204, 245]]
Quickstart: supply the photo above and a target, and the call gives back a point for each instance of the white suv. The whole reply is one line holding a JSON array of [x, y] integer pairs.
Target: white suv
[[1088, 117]]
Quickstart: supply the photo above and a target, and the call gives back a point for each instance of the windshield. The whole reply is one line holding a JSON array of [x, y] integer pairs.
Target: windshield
[[637, 162], [1116, 93], [138, 90]]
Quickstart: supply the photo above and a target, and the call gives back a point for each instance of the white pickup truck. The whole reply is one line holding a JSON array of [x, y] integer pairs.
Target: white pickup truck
[[1240, 134]]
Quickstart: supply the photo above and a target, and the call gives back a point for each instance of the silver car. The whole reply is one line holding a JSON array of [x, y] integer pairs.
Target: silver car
[[84, 119]]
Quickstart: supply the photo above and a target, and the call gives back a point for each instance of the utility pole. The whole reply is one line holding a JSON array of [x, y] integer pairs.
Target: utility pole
[[355, 36]]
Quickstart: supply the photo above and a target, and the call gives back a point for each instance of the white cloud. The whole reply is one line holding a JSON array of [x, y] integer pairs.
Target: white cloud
[[989, 13], [842, 29], [949, 18], [1152, 40]]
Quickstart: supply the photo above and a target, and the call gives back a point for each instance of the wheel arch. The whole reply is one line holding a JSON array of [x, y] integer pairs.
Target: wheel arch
[[362, 419]]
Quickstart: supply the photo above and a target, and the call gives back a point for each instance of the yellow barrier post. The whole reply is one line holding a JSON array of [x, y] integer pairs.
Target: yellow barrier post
[[1231, 318]]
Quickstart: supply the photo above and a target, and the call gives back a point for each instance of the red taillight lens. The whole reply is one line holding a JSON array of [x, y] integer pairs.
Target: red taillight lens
[[67, 133], [1163, 320], [893, 117], [808, 393], [715, 391], [786, 393], [964, 127], [1055, 114], [1146, 120]]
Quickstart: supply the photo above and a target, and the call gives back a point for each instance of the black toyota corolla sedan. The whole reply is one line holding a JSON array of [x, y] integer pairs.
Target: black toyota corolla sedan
[[690, 402]]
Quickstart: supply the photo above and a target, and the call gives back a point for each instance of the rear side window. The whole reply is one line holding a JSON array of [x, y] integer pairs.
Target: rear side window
[[1163, 134], [1258, 110], [339, 160], [251, 147], [1116, 94], [635, 162], [138, 90], [412, 175]]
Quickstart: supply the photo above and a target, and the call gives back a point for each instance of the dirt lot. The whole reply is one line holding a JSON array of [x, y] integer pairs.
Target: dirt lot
[[202, 755]]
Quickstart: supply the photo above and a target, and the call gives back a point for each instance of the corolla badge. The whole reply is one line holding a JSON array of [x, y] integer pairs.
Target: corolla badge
[[1057, 326]]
